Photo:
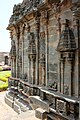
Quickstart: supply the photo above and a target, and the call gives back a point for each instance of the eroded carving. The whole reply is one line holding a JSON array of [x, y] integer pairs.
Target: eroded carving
[[66, 89], [32, 47], [13, 49], [61, 106]]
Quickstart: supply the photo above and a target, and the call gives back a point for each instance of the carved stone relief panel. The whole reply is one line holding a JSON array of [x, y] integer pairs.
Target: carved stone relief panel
[[32, 57], [61, 107], [32, 47], [42, 58], [13, 49], [42, 44]]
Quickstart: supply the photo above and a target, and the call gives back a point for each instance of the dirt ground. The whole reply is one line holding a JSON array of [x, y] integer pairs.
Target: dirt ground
[[7, 113]]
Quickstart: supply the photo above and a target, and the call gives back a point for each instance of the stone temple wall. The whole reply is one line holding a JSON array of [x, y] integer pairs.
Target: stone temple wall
[[45, 57]]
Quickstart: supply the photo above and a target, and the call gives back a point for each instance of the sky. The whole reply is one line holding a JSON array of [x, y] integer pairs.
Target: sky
[[6, 8]]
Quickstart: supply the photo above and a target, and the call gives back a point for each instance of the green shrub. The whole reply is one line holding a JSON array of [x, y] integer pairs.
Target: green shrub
[[4, 77]]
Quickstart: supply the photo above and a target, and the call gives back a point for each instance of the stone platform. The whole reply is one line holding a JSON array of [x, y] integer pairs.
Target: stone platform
[[16, 103]]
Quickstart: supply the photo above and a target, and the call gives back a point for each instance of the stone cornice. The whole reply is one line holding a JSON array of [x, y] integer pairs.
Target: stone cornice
[[27, 9]]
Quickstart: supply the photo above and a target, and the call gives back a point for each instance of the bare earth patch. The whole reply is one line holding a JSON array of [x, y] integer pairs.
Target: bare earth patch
[[7, 113]]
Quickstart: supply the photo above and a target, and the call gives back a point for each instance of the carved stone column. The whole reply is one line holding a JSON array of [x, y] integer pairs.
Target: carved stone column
[[62, 76], [59, 75], [42, 67], [76, 24], [32, 58], [17, 50], [33, 71], [42, 57], [69, 73], [23, 30], [11, 67], [37, 25], [43, 48], [29, 72], [13, 56], [45, 19], [14, 66]]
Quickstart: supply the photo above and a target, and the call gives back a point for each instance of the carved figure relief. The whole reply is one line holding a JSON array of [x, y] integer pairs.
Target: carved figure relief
[[13, 49], [32, 47], [32, 57]]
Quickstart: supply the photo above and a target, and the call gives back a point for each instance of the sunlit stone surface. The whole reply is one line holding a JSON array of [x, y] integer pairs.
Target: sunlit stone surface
[[45, 57]]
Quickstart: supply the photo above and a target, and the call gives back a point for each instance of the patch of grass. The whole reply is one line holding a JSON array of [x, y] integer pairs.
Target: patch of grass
[[4, 77]]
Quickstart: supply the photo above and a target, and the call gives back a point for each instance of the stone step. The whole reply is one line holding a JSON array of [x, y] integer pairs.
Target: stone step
[[23, 106], [23, 97], [40, 113], [17, 108], [10, 96], [36, 102], [16, 103], [9, 102]]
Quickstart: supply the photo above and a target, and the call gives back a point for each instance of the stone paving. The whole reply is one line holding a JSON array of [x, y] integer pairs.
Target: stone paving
[[7, 113]]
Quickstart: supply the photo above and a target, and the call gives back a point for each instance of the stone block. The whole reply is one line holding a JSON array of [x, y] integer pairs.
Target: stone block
[[37, 102], [24, 108], [9, 102], [17, 108], [40, 113], [10, 96], [21, 104]]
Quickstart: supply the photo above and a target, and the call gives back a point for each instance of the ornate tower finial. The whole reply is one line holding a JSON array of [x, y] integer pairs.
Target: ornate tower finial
[[67, 39]]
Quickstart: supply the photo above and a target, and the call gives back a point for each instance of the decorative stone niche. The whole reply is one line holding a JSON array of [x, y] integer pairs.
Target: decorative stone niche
[[66, 48], [32, 57]]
